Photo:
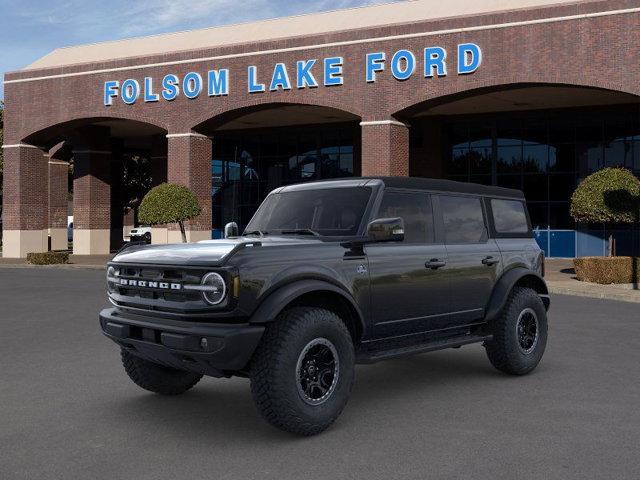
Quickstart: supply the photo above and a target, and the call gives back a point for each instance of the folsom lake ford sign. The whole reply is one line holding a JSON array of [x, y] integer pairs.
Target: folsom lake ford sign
[[309, 73]]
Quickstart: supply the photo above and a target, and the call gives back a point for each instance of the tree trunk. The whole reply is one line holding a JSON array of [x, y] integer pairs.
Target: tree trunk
[[610, 253], [184, 235]]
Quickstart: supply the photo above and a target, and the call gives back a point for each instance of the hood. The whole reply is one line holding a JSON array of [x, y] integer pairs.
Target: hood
[[207, 252]]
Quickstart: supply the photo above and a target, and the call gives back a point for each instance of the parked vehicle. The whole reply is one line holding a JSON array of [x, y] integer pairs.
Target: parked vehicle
[[69, 228], [140, 234], [330, 274]]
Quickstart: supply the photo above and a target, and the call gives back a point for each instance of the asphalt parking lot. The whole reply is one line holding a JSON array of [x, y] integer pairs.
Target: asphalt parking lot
[[67, 409]]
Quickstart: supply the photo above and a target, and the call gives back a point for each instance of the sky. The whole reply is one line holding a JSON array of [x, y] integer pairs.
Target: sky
[[29, 29]]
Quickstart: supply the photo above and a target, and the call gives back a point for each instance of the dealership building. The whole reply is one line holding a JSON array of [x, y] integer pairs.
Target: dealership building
[[527, 94]]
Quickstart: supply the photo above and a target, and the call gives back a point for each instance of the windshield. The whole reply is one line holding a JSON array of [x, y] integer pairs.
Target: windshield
[[333, 212]]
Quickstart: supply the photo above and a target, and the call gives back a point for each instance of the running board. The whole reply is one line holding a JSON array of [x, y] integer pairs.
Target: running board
[[452, 342]]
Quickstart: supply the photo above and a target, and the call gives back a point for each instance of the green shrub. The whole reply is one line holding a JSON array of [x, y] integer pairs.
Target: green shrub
[[48, 258], [607, 270], [611, 195], [169, 203]]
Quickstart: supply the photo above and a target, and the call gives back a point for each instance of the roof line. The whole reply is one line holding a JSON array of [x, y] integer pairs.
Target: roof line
[[334, 44], [237, 24]]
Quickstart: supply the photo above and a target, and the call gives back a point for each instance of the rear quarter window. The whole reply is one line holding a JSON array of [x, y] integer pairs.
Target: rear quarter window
[[509, 216]]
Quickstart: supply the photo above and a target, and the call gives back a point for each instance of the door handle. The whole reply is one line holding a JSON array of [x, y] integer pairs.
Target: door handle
[[434, 264], [489, 261]]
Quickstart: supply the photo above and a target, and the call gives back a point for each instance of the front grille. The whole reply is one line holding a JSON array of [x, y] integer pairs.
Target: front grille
[[154, 289]]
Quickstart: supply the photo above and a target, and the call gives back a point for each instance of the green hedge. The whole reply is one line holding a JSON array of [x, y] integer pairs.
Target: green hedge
[[607, 270], [48, 258]]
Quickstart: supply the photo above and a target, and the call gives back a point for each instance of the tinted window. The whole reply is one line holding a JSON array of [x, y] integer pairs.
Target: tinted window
[[415, 210], [328, 212], [509, 216], [463, 219]]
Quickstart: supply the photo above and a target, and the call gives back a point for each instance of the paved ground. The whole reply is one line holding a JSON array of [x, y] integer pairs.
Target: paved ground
[[68, 411]]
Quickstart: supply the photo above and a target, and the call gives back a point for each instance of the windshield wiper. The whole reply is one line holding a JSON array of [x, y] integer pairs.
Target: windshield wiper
[[300, 231], [255, 232]]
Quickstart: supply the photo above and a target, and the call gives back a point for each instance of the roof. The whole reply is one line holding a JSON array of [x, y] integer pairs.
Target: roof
[[450, 186], [273, 29], [412, 183]]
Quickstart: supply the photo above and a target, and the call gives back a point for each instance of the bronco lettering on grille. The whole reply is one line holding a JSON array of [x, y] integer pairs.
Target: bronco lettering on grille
[[150, 284]]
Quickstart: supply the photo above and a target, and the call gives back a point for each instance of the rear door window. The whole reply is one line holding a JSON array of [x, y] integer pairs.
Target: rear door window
[[509, 216], [463, 219], [414, 209]]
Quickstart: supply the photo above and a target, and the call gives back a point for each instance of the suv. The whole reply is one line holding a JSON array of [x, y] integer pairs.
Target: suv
[[330, 274]]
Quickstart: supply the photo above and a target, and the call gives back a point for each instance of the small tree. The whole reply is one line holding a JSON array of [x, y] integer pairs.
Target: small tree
[[169, 203], [611, 195]]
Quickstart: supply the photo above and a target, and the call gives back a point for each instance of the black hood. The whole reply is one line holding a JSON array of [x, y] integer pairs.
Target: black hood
[[207, 252]]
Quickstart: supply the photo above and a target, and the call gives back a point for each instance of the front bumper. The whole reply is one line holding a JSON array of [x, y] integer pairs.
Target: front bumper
[[209, 349]]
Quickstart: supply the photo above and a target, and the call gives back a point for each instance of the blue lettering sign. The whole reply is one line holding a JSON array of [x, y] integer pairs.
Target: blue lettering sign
[[130, 91], [218, 82], [333, 71], [254, 87], [149, 96], [110, 92], [170, 87], [280, 78], [434, 59], [469, 58], [192, 85], [304, 77], [375, 63], [403, 64]]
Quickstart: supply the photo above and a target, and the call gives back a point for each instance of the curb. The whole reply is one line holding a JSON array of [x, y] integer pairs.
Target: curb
[[622, 297]]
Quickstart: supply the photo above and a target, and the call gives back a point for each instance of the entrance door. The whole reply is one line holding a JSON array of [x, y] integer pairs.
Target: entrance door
[[409, 288], [474, 259]]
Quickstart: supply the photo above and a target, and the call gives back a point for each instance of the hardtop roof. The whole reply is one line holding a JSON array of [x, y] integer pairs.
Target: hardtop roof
[[411, 183]]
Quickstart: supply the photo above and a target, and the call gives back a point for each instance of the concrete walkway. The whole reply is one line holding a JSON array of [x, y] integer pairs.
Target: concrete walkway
[[561, 278]]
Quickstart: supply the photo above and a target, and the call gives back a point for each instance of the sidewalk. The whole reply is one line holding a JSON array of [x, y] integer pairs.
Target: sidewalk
[[91, 262], [560, 277]]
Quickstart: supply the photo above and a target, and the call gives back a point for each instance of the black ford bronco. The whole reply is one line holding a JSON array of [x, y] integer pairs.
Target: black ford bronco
[[326, 275]]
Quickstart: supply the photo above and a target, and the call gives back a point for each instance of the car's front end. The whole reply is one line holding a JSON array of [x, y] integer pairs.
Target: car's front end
[[180, 315]]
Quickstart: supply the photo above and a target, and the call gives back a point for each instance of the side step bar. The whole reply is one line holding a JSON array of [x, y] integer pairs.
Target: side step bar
[[452, 342]]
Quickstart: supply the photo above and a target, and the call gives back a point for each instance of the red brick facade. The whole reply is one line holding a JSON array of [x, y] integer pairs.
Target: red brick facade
[[590, 44]]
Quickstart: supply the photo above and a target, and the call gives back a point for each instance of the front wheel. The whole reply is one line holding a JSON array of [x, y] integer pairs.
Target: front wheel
[[303, 370], [519, 333]]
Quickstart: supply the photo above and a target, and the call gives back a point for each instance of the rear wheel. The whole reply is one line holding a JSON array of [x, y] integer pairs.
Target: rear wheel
[[303, 370], [157, 378], [519, 333]]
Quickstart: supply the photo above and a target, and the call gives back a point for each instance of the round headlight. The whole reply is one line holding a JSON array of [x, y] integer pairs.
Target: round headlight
[[215, 290], [111, 273]]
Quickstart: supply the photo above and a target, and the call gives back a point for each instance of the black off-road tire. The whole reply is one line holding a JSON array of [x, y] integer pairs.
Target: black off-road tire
[[505, 350], [157, 378], [275, 376]]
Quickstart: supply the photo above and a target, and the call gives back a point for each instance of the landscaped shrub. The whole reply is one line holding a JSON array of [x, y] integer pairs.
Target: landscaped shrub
[[48, 258], [609, 196], [169, 203], [607, 270]]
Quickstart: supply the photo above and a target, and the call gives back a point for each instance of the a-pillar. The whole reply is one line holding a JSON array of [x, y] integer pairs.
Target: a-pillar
[[385, 148], [58, 192], [25, 212], [159, 233], [92, 192], [189, 164]]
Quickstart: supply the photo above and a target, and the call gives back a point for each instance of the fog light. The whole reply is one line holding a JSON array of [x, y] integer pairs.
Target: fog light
[[215, 289]]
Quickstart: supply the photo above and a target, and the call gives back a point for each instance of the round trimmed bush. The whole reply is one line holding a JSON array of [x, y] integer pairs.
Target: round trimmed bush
[[611, 195], [169, 203]]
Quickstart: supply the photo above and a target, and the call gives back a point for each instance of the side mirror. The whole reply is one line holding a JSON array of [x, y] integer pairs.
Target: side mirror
[[386, 230], [231, 230]]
